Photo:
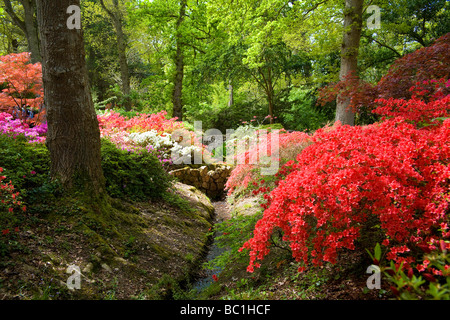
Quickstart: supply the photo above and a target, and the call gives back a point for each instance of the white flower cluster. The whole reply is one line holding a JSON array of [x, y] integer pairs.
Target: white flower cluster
[[165, 143], [152, 138]]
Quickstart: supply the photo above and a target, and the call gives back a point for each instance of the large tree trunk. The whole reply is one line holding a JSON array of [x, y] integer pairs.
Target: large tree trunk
[[28, 26], [116, 18], [177, 93], [73, 137], [349, 55]]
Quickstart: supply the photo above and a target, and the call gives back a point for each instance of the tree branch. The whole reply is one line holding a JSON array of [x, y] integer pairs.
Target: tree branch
[[384, 45], [16, 20]]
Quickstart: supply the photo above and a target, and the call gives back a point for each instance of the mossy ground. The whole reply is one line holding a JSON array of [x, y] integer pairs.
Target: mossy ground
[[125, 250]]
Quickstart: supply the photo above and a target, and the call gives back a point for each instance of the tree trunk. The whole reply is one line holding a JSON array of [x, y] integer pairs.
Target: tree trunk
[[116, 19], [177, 94], [349, 55], [32, 32], [73, 137], [28, 26], [231, 94]]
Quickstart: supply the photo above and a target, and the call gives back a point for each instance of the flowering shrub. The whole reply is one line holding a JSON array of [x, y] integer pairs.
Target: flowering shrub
[[427, 104], [8, 125], [21, 84], [420, 66], [247, 173], [150, 132], [390, 170], [9, 199], [10, 203], [432, 281], [114, 121]]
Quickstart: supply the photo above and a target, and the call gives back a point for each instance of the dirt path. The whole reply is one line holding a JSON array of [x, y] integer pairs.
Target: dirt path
[[222, 211]]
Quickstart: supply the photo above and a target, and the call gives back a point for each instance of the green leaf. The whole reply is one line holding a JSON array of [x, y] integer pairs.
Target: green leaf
[[378, 252]]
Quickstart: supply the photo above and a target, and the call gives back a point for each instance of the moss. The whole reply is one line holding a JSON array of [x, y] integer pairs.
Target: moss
[[156, 237]]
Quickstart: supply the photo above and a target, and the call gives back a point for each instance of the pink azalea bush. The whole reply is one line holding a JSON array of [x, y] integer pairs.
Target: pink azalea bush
[[8, 125], [247, 172]]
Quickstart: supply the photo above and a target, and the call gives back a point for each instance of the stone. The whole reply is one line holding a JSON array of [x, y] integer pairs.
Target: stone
[[89, 267], [106, 267]]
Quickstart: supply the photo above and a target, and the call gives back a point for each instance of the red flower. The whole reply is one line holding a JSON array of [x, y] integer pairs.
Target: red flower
[[5, 232], [395, 291], [429, 277], [215, 278]]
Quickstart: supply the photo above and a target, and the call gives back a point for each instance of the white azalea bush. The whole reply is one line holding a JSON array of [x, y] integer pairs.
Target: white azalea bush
[[167, 146]]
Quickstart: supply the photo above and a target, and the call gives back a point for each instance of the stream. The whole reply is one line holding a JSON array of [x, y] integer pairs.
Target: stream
[[222, 213]]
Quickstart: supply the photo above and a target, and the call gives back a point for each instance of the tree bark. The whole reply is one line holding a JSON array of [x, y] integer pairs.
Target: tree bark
[[73, 137], [116, 18], [177, 95], [28, 26], [230, 95], [349, 55], [32, 32]]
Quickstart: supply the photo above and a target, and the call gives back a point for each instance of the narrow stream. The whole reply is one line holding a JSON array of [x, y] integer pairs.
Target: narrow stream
[[222, 213]]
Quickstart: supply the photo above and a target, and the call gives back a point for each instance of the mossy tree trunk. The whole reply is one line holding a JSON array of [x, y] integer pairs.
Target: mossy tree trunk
[[73, 137]]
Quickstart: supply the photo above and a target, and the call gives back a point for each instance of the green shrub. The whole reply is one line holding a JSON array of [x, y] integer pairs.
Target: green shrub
[[132, 175], [137, 176], [232, 234], [26, 165]]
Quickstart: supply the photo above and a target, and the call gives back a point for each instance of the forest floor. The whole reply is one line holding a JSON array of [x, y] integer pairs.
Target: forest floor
[[144, 250], [279, 279], [153, 250]]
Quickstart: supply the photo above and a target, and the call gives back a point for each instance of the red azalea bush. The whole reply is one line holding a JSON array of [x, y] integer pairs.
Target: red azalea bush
[[9, 203], [141, 123], [392, 170], [427, 104], [418, 67]]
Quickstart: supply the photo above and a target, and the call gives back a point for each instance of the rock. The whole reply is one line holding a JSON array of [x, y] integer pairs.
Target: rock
[[89, 267], [106, 267]]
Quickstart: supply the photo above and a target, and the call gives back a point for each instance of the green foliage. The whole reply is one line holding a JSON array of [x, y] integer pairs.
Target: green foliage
[[26, 165], [420, 287], [432, 282], [137, 176], [232, 235], [303, 113]]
